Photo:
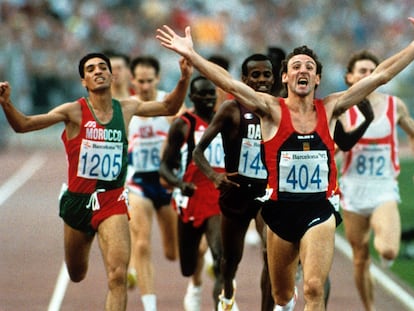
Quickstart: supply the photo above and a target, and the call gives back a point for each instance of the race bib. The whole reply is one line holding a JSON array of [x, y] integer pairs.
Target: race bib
[[100, 160], [146, 154], [214, 153], [371, 161], [303, 171], [250, 162]]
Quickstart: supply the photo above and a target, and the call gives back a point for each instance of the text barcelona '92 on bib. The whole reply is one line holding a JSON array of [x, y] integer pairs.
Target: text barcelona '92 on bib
[[303, 171]]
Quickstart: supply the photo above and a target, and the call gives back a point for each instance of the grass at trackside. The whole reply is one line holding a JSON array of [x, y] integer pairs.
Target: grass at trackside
[[403, 267]]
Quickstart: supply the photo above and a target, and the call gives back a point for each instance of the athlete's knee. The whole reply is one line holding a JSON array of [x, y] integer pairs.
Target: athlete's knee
[[77, 274], [229, 266], [313, 288], [142, 247], [171, 252], [117, 276], [171, 255], [187, 271], [388, 253], [361, 253]]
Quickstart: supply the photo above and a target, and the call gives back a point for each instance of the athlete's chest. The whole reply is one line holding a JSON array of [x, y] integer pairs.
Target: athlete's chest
[[304, 122]]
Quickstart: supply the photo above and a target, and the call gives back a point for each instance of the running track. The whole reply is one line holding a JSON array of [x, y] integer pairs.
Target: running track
[[31, 252]]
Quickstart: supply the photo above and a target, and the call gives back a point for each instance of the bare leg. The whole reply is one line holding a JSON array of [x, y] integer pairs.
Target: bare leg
[[357, 230], [141, 214], [316, 255], [386, 224], [167, 220], [233, 233], [213, 235], [265, 286], [283, 258], [115, 245], [77, 248]]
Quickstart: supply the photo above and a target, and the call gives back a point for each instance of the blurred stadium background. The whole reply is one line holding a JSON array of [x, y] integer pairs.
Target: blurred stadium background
[[42, 41]]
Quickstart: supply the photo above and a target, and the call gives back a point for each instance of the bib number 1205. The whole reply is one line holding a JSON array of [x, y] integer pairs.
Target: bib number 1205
[[100, 160]]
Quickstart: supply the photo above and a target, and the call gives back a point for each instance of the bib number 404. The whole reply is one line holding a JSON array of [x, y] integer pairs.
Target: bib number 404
[[303, 178]]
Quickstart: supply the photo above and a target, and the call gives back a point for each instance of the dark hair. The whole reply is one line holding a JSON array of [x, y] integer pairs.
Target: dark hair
[[87, 57], [302, 50], [357, 56], [145, 60], [277, 55], [253, 58], [193, 82], [220, 60], [113, 54]]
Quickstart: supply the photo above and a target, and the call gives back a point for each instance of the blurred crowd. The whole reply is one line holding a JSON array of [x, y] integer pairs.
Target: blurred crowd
[[42, 41]]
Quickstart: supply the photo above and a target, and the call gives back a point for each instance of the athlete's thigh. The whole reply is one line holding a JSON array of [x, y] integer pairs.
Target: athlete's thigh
[[283, 258], [261, 227], [233, 233], [141, 212], [114, 241], [213, 235], [317, 249], [77, 247], [357, 228], [386, 222], [167, 221], [189, 239]]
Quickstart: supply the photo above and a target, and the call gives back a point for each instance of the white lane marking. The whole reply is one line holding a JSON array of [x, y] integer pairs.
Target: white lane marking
[[21, 176], [60, 289], [17, 180], [383, 280]]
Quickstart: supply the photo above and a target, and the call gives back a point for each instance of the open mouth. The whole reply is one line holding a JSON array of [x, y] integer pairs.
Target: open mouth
[[303, 81], [262, 88]]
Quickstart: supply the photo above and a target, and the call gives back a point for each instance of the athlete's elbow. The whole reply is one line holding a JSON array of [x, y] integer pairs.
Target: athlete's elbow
[[18, 128], [384, 78]]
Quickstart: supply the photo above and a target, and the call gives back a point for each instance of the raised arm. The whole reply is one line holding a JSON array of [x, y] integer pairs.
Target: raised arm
[[172, 102], [405, 121], [385, 71], [218, 75], [22, 123]]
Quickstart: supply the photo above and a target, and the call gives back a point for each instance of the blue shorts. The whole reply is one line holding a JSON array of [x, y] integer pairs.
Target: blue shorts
[[148, 186]]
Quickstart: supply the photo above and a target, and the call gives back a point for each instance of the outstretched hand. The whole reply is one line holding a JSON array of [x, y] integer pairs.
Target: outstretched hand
[[169, 39]]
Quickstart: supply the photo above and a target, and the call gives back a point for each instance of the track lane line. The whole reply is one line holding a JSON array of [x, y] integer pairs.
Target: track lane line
[[19, 178], [60, 289], [7, 189]]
